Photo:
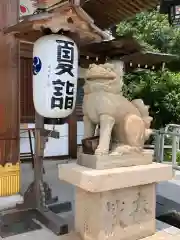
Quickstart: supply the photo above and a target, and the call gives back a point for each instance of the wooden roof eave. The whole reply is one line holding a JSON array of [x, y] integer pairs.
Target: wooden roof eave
[[114, 11], [107, 13], [81, 25], [148, 58], [112, 49]]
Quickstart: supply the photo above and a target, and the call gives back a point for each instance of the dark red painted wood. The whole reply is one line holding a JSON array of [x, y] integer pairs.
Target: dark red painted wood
[[9, 84]]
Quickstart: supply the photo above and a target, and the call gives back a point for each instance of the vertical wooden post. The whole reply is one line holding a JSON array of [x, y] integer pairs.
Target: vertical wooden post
[[39, 154], [72, 136], [9, 95]]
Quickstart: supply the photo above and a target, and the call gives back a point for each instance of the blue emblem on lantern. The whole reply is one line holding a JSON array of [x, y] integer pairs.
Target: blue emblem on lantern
[[37, 65]]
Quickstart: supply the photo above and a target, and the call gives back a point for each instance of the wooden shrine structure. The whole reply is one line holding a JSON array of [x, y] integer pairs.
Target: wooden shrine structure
[[10, 65], [84, 23]]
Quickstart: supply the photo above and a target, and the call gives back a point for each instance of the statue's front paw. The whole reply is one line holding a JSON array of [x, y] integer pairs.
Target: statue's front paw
[[100, 151]]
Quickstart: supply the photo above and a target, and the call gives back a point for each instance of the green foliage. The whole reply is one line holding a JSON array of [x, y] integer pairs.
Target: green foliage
[[160, 90], [178, 157], [168, 157], [153, 31]]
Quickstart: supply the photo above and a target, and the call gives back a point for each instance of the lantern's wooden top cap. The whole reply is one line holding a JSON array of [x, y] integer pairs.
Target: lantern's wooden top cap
[[68, 18]]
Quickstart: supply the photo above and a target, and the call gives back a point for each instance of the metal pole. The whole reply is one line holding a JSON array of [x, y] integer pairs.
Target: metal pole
[[157, 146], [174, 147], [161, 148], [178, 138]]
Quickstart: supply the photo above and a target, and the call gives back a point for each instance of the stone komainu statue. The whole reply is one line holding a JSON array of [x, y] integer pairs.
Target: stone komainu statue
[[125, 123]]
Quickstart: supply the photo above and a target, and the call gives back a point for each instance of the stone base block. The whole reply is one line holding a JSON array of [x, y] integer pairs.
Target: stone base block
[[117, 203], [126, 214], [115, 161], [93, 180]]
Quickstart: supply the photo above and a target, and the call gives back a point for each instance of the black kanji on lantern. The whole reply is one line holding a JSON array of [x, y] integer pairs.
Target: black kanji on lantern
[[57, 102], [69, 88], [57, 99], [65, 57], [63, 95], [58, 89], [69, 99], [59, 82], [69, 102]]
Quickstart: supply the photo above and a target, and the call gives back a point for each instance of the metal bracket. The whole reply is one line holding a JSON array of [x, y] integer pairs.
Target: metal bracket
[[49, 133]]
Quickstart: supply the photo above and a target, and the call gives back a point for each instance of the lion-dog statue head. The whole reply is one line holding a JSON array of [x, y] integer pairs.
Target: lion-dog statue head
[[102, 77]]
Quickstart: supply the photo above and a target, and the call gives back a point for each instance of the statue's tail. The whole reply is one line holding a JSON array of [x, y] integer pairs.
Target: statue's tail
[[144, 111]]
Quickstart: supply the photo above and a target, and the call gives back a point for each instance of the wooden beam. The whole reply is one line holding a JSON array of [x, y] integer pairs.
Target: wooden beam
[[9, 82], [72, 135]]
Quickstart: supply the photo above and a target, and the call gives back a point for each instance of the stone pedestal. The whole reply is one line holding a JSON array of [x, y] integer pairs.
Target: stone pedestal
[[115, 161], [115, 204]]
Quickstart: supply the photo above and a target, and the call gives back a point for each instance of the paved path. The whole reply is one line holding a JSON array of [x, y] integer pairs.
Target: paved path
[[168, 195], [45, 234]]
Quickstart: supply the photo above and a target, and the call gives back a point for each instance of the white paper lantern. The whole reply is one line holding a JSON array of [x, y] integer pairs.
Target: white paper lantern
[[55, 73]]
